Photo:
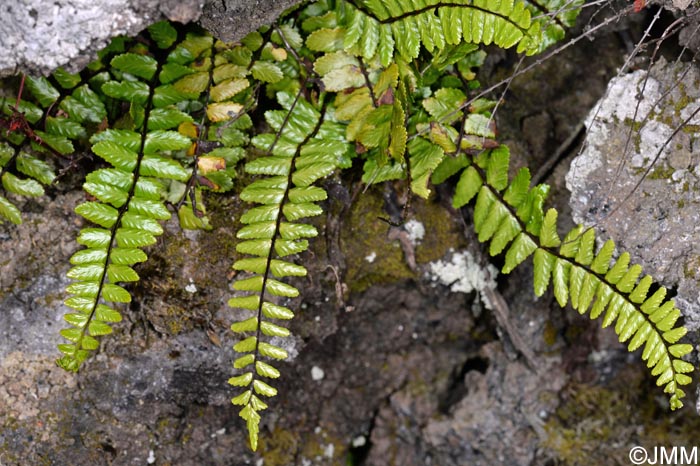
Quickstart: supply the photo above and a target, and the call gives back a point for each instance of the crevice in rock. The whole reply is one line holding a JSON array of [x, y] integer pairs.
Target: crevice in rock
[[457, 389], [357, 455]]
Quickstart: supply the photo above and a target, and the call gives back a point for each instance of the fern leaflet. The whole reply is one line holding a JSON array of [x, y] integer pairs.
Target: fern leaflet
[[391, 78]]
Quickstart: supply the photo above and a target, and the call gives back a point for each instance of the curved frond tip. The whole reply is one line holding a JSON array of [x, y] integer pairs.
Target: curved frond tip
[[510, 217]]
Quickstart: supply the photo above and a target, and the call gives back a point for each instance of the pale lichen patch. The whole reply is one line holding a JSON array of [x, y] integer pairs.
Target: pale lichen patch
[[416, 231], [463, 274]]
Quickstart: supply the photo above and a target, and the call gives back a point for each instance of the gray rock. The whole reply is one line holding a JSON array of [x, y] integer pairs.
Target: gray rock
[[229, 20], [637, 179], [158, 386], [410, 375], [38, 36], [498, 421]]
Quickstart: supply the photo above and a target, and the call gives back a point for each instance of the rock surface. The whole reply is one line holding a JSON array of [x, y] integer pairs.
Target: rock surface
[[230, 20], [38, 36], [638, 176], [158, 387]]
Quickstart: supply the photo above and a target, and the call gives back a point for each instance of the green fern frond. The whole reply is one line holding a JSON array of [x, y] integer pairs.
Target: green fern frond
[[425, 157], [383, 30], [555, 16], [128, 205], [376, 116], [52, 117], [385, 81], [301, 151], [32, 174], [36, 132], [510, 217], [220, 77]]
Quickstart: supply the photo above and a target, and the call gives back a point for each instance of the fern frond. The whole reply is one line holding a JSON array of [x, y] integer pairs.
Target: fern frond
[[36, 132], [187, 127], [301, 151], [52, 116], [425, 157], [221, 77], [32, 174], [385, 30], [128, 205], [510, 217], [555, 16]]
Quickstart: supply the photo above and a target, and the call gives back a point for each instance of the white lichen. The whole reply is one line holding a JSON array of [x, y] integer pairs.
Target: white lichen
[[191, 288], [415, 230], [371, 256], [463, 275], [317, 373], [359, 441], [620, 104]]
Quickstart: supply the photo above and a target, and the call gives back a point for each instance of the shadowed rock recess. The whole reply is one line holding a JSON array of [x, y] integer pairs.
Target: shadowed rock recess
[[397, 358]]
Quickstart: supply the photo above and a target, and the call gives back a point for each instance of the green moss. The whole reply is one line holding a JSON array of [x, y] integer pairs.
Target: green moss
[[200, 256], [51, 299], [585, 428], [442, 231], [636, 133], [365, 235], [665, 119], [174, 248], [635, 125], [681, 104], [284, 447], [683, 101], [661, 173], [178, 320], [594, 421], [691, 269], [691, 129], [279, 448], [315, 446], [374, 258], [550, 333]]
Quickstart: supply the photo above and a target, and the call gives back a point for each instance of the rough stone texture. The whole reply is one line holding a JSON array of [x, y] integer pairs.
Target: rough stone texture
[[637, 178], [496, 422], [158, 386], [38, 36], [688, 36], [230, 20]]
